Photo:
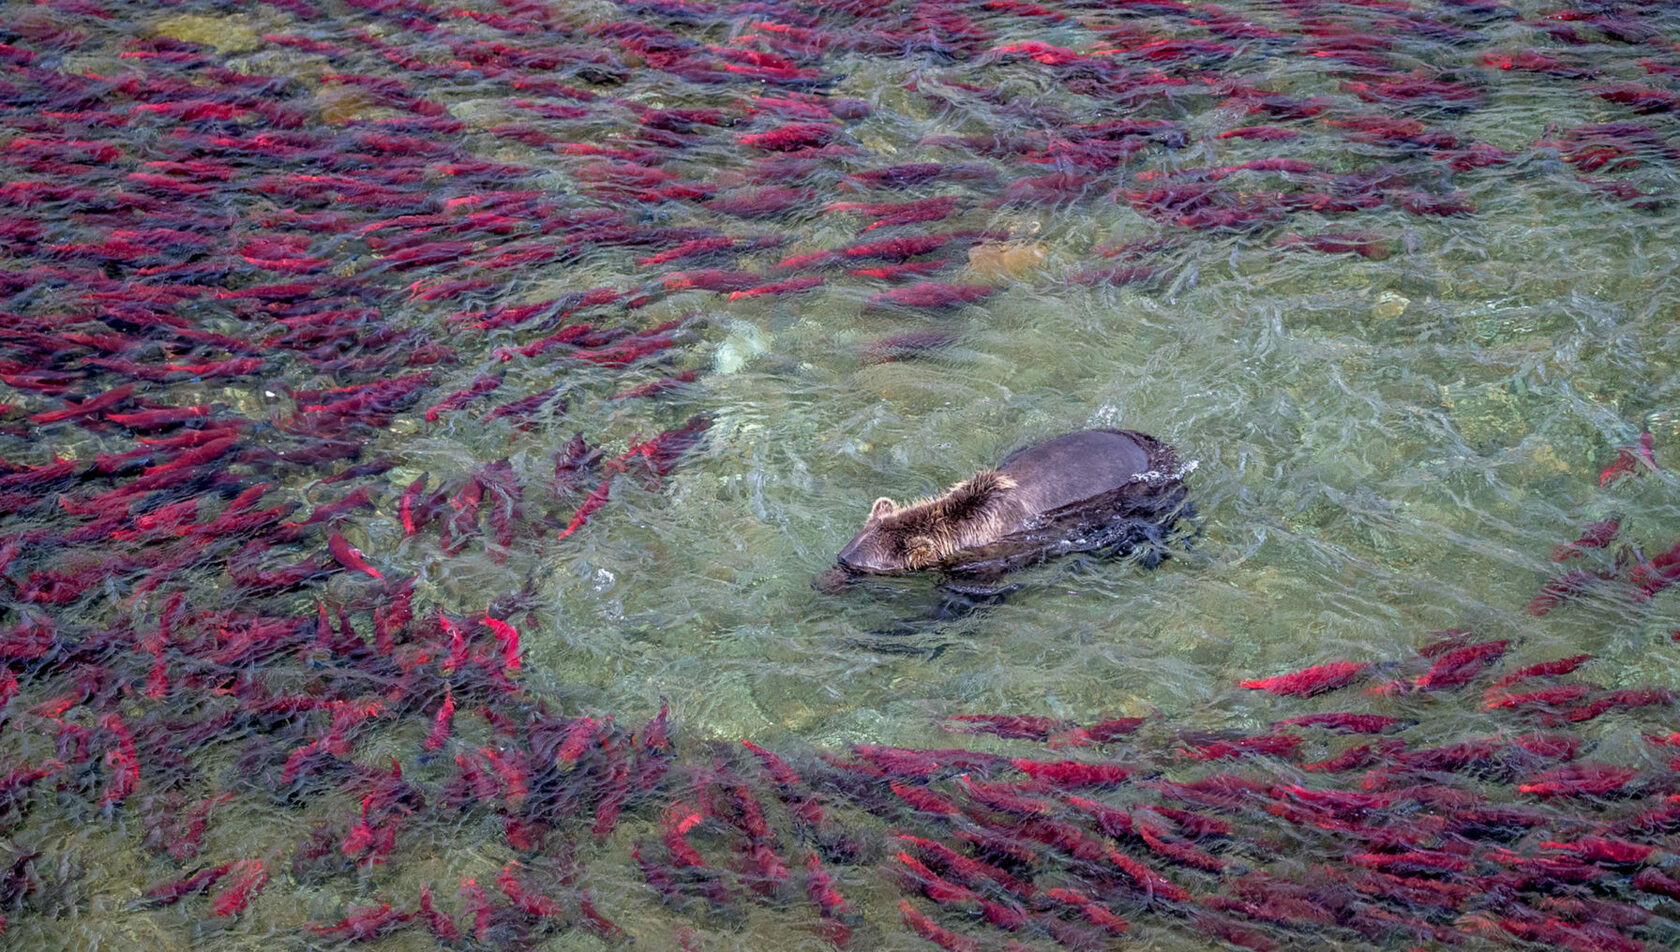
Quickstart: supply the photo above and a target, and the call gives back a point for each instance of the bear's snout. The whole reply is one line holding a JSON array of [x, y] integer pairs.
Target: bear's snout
[[853, 559]]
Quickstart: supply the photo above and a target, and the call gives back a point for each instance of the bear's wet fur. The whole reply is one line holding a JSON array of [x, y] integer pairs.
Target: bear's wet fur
[[1079, 492], [973, 512]]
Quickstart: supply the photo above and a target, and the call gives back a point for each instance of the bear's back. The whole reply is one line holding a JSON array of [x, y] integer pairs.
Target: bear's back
[[1074, 467]]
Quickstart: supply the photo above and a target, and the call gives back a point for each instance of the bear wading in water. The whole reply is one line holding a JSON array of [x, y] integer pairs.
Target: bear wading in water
[[1108, 490]]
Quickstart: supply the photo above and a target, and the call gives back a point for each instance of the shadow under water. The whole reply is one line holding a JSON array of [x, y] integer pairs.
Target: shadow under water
[[959, 595]]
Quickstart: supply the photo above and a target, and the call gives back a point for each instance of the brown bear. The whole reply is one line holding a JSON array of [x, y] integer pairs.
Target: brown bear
[[1078, 492]]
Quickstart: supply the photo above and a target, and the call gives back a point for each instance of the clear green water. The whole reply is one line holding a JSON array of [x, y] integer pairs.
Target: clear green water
[[1386, 448]]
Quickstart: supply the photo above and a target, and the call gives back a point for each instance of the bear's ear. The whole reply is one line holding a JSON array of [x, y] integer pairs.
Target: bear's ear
[[883, 508], [919, 552]]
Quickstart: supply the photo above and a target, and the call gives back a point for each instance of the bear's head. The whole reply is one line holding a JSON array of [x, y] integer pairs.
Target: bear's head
[[888, 545]]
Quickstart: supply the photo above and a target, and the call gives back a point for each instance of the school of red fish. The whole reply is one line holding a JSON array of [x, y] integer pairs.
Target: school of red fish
[[209, 616]]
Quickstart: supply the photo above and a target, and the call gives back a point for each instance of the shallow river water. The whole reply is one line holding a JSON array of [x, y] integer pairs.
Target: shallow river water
[[1403, 278]]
